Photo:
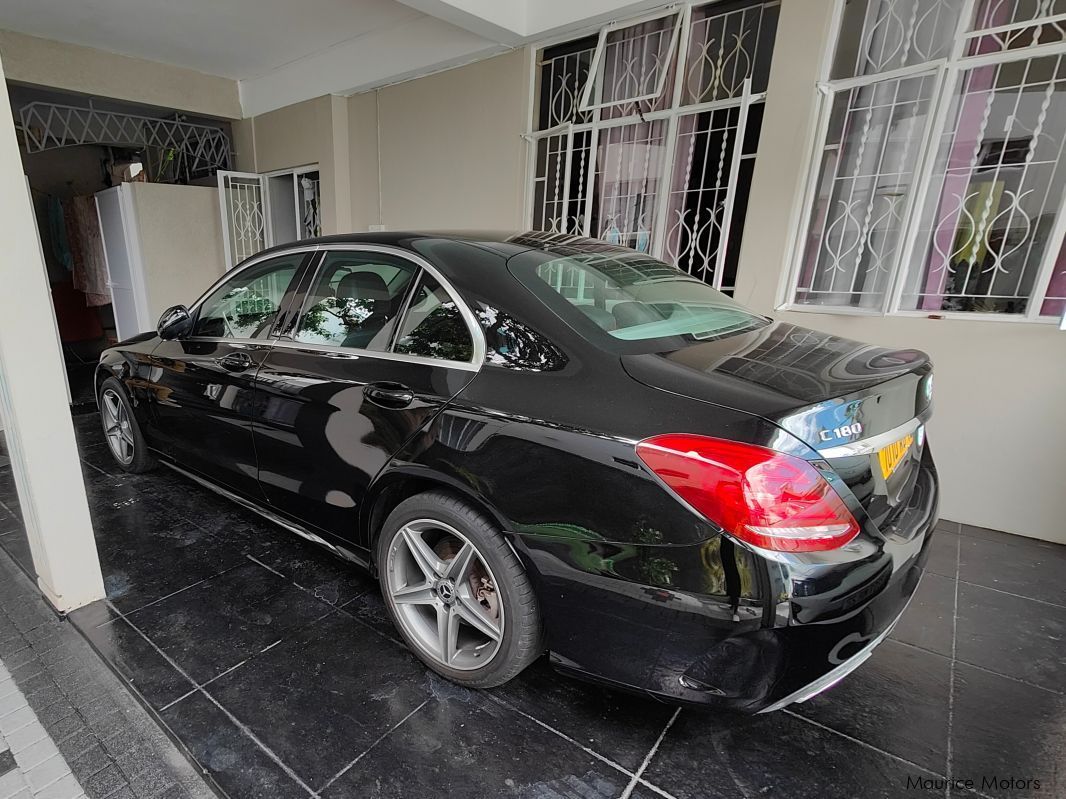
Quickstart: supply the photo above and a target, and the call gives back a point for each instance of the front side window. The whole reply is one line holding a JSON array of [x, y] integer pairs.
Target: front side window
[[941, 163], [433, 327], [355, 300], [247, 305], [617, 296]]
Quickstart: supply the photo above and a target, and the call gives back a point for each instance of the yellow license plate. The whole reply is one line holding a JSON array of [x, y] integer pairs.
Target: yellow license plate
[[892, 456]]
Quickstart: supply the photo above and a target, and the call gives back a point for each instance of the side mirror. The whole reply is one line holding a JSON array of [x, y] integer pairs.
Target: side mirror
[[174, 323]]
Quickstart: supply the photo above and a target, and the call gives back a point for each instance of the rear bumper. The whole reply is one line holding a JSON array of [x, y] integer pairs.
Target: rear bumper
[[787, 629]]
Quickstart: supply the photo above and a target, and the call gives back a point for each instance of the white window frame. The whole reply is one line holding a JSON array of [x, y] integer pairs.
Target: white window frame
[[264, 194], [670, 116], [596, 68], [948, 72]]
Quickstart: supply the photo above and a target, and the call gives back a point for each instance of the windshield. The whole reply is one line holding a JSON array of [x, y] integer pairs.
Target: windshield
[[632, 297]]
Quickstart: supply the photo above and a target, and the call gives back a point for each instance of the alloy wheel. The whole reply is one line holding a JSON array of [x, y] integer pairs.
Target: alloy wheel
[[117, 426], [444, 595]]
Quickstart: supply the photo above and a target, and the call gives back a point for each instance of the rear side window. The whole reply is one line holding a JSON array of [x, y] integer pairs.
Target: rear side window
[[433, 327], [355, 300], [616, 296]]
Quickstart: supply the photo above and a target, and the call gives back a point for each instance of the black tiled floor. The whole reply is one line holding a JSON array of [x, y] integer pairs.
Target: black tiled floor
[[275, 664]]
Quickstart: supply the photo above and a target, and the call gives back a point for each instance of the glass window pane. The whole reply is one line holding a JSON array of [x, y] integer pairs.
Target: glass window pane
[[635, 62], [855, 229], [1024, 21], [724, 48], [629, 297], [247, 305], [433, 326], [997, 187], [630, 167], [880, 35], [355, 300]]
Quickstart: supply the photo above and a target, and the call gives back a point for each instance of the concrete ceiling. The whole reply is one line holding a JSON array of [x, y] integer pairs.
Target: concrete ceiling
[[283, 51]]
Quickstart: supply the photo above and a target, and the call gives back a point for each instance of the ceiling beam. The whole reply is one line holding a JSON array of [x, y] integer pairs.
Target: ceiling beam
[[502, 21]]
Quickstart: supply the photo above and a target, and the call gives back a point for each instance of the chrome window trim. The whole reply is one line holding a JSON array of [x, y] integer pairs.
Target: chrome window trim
[[477, 335], [353, 353], [867, 445]]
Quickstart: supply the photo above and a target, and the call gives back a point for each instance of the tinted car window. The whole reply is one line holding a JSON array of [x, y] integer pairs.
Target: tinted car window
[[617, 296], [355, 300], [433, 326], [246, 305]]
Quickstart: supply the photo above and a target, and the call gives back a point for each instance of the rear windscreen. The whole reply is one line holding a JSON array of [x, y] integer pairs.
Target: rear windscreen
[[630, 297]]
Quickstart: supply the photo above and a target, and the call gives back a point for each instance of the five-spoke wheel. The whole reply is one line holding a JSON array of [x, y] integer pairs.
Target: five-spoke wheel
[[444, 594], [457, 592], [121, 432], [117, 426]]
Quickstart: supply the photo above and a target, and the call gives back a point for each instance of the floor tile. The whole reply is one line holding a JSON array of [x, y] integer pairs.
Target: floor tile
[[723, 756], [1004, 730], [219, 622], [338, 686], [473, 748], [943, 554], [308, 565], [1013, 636], [897, 701], [927, 622], [232, 758], [1019, 566], [138, 662], [619, 726], [145, 558]]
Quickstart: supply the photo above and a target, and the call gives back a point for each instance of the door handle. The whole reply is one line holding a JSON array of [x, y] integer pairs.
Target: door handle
[[236, 361], [389, 395]]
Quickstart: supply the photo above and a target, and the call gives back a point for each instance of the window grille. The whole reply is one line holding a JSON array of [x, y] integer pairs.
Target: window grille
[[940, 177], [667, 171]]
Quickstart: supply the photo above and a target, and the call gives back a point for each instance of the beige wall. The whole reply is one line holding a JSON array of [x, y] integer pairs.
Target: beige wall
[[999, 426], [312, 132], [84, 69], [180, 231], [448, 148]]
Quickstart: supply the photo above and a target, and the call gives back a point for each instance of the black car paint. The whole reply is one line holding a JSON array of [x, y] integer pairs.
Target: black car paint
[[635, 589]]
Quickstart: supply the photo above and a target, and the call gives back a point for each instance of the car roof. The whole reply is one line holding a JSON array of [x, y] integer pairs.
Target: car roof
[[504, 242]]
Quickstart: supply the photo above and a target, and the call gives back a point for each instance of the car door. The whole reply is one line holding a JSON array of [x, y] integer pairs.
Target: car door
[[203, 382], [381, 344]]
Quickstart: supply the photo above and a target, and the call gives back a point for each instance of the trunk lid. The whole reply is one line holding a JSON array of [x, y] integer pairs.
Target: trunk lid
[[861, 407]]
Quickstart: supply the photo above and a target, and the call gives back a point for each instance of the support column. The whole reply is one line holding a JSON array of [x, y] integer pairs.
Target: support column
[[803, 44], [33, 399]]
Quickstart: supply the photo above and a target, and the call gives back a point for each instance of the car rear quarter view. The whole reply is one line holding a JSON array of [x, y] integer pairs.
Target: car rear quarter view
[[546, 444]]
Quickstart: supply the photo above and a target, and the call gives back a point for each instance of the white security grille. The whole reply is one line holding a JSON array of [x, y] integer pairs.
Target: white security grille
[[197, 149], [243, 215], [941, 180], [868, 170], [632, 63], [661, 172], [1012, 24], [998, 182]]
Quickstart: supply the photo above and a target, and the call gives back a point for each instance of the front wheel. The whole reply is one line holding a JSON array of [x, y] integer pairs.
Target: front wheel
[[121, 430], [456, 591]]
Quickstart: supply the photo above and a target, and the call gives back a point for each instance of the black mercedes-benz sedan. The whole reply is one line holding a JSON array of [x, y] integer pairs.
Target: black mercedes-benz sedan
[[548, 444]]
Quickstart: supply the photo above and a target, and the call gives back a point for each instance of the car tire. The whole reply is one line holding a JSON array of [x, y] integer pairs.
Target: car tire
[[442, 520], [121, 431]]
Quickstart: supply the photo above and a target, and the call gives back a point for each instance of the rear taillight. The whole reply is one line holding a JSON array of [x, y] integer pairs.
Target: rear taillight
[[769, 499]]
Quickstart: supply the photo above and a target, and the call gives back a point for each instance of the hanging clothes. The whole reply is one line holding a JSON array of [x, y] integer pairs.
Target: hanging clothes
[[57, 233], [87, 249]]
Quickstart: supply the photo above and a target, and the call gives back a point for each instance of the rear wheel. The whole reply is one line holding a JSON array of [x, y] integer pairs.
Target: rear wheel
[[456, 591], [121, 430]]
